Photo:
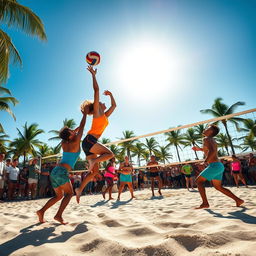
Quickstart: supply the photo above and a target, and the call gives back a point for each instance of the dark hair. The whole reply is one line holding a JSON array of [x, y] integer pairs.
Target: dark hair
[[64, 133], [215, 129]]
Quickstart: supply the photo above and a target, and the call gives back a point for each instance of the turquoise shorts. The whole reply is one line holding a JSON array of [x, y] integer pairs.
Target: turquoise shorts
[[214, 171], [125, 177], [59, 176]]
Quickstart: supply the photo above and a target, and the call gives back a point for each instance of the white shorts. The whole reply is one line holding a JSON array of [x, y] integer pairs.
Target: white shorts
[[31, 181], [1, 184]]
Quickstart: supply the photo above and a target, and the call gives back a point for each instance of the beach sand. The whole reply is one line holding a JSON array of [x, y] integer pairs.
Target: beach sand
[[166, 225]]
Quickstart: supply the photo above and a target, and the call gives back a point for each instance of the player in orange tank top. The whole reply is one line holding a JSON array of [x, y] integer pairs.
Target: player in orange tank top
[[94, 151]]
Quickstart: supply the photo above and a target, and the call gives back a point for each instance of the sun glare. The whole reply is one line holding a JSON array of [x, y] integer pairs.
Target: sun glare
[[149, 69]]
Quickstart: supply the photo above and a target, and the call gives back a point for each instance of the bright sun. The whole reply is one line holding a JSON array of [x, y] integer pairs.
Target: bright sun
[[149, 69]]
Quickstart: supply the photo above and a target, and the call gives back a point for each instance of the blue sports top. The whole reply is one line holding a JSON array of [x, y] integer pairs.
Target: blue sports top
[[70, 158]]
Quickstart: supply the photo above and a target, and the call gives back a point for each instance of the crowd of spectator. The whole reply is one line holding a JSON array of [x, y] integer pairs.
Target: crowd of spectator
[[31, 181]]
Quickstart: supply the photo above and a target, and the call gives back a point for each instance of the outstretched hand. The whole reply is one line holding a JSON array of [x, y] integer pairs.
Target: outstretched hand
[[107, 93], [92, 71]]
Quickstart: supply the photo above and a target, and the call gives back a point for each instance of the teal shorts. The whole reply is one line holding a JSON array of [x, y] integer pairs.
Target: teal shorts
[[125, 177], [214, 171], [59, 176]]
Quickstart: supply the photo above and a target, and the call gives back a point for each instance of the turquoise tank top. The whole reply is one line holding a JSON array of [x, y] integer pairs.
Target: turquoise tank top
[[70, 158]]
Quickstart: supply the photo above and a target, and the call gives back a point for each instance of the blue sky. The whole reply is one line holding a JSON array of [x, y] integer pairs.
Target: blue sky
[[206, 49]]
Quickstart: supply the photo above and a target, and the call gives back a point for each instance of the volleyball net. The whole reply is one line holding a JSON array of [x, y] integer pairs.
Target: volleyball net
[[173, 146]]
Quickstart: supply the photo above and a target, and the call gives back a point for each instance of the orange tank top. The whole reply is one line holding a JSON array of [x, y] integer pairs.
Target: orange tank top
[[99, 124]]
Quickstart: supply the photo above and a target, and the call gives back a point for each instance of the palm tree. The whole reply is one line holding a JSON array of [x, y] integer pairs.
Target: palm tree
[[70, 123], [119, 155], [14, 14], [223, 141], [151, 144], [191, 138], [3, 139], [163, 153], [44, 150], [128, 146], [250, 127], [26, 142], [249, 143], [5, 102], [138, 150], [145, 155], [105, 140], [175, 138], [220, 109], [55, 150]]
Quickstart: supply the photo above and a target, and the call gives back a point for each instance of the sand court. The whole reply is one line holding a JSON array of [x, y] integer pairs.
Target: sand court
[[165, 225]]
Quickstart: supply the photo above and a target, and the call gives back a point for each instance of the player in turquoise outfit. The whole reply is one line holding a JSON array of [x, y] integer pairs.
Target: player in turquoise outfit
[[215, 169]]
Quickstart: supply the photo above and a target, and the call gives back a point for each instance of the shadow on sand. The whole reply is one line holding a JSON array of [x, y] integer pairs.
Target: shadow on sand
[[239, 214], [28, 236], [100, 203], [117, 203]]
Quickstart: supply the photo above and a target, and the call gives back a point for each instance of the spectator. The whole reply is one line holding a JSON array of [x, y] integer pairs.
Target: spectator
[[23, 180], [252, 168], [236, 168], [33, 174], [187, 171], [77, 180], [2, 175], [12, 178], [44, 180]]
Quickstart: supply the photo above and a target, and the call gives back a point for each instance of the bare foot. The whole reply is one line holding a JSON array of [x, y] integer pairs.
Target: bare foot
[[59, 219], [239, 202], [118, 199], [78, 194], [103, 194], [202, 206], [133, 197], [159, 191], [111, 198], [40, 216]]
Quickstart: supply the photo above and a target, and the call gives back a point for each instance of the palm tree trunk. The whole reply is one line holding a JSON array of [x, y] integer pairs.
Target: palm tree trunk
[[229, 138], [227, 150], [177, 153]]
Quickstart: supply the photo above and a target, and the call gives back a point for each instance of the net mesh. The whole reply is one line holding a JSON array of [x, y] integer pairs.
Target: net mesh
[[174, 145]]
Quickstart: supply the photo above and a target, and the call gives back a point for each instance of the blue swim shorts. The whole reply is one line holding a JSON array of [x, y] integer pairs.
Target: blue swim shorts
[[59, 176], [214, 171]]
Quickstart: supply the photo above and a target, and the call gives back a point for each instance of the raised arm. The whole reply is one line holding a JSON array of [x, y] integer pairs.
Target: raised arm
[[113, 103], [96, 91], [80, 129]]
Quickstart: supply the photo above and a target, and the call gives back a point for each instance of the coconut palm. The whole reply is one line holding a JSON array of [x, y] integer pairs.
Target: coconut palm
[[220, 109], [70, 123], [145, 155], [151, 145], [249, 127], [5, 102], [191, 137], [55, 150], [14, 14], [105, 140], [163, 154], [175, 138], [3, 139], [128, 146], [44, 150], [249, 143], [223, 141], [27, 142], [138, 150], [119, 155]]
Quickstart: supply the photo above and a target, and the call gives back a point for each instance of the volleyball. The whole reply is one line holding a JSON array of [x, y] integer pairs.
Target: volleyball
[[93, 58]]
